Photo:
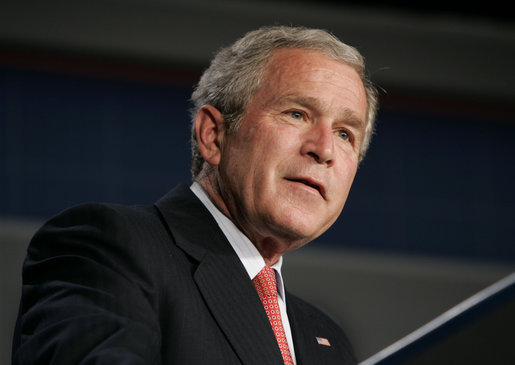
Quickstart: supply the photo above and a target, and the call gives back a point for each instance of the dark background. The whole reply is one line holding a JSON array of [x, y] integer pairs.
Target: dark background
[[433, 182], [93, 107]]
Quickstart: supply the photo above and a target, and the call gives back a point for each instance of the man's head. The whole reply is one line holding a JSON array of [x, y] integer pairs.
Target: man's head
[[280, 160], [236, 73]]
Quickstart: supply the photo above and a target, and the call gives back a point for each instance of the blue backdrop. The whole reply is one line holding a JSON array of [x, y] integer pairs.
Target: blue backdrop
[[432, 183]]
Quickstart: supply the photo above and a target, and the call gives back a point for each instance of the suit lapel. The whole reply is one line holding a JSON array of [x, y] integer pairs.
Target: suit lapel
[[221, 278], [303, 339], [232, 299]]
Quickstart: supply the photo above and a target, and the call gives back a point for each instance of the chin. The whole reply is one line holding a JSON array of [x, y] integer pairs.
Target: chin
[[299, 231]]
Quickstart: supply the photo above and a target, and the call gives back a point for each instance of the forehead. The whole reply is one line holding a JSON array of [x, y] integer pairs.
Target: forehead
[[291, 59], [311, 73]]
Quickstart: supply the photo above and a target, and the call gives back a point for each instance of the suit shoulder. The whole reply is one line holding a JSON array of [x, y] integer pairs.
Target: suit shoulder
[[114, 220], [91, 278], [108, 233], [101, 213]]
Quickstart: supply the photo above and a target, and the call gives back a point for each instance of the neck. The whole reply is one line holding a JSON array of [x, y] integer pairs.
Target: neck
[[269, 251], [270, 248]]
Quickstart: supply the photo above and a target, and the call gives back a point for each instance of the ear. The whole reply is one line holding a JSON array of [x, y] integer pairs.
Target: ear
[[209, 130]]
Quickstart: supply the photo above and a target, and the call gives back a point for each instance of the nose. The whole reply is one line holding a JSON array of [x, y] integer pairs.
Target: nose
[[319, 144]]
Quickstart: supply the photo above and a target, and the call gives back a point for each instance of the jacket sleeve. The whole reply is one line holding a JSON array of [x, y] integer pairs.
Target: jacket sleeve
[[87, 294]]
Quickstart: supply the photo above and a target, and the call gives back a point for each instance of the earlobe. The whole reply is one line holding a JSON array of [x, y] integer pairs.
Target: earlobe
[[209, 132]]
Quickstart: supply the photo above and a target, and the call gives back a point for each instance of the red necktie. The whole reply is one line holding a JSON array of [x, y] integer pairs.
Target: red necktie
[[267, 290]]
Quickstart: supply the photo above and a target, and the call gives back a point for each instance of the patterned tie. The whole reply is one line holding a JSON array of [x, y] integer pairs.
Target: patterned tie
[[267, 290]]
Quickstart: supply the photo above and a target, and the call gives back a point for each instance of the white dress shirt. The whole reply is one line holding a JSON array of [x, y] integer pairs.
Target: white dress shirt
[[248, 255]]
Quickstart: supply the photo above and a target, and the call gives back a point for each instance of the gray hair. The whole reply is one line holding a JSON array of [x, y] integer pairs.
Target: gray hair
[[235, 75]]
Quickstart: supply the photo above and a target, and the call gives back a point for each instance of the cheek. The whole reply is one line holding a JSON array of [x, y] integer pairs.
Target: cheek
[[283, 141], [273, 144], [345, 176], [248, 163]]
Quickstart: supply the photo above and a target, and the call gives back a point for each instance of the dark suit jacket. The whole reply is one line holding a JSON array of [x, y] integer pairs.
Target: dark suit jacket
[[110, 284]]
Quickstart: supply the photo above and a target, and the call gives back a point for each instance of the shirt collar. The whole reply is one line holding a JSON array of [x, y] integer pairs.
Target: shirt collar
[[246, 251]]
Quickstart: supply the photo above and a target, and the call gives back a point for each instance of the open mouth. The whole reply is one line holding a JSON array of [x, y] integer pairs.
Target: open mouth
[[309, 183]]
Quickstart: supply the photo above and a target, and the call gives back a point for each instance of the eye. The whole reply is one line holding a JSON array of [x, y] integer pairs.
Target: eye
[[343, 134], [296, 115]]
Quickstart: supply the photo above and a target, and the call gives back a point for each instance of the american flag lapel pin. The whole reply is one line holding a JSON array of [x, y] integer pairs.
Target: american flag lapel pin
[[323, 341]]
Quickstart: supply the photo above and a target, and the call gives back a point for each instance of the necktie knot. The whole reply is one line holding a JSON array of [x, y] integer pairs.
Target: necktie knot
[[265, 283]]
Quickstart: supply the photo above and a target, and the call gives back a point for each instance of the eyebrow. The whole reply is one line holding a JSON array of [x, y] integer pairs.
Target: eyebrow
[[348, 115]]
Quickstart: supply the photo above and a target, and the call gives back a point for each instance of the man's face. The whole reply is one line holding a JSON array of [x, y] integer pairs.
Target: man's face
[[287, 171]]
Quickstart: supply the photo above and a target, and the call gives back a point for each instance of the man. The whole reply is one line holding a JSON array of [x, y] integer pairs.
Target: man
[[281, 120]]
